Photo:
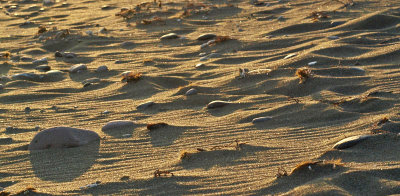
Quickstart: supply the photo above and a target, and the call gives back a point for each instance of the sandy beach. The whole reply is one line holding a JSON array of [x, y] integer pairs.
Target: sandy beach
[[233, 97]]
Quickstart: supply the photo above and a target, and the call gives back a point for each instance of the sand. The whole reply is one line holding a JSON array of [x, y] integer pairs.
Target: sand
[[351, 52]]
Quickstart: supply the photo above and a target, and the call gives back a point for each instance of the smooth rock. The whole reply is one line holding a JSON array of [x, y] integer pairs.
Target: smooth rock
[[261, 119], [62, 137], [117, 124], [191, 91], [26, 59], [145, 105], [127, 44], [40, 61], [78, 68], [206, 36], [333, 37], [350, 141], [43, 68], [169, 36], [58, 54], [217, 104], [102, 68], [27, 76], [54, 73]]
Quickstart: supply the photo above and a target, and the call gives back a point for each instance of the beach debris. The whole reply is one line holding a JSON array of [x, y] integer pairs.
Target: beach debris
[[217, 104], [206, 36], [126, 13], [154, 126], [303, 74], [131, 76], [290, 56], [102, 68], [158, 173], [169, 36], [350, 141], [91, 185], [382, 121], [5, 55], [43, 68], [77, 68], [199, 65], [58, 54], [307, 166], [27, 76], [41, 29], [124, 178], [244, 72], [145, 105], [117, 124], [317, 15], [261, 119], [62, 137], [191, 91], [27, 110], [333, 37], [281, 172]]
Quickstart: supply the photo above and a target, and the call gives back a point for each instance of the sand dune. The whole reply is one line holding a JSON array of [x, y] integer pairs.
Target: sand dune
[[318, 71]]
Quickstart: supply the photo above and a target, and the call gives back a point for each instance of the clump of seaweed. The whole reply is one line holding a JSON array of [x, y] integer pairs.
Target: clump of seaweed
[[131, 77], [303, 74], [158, 173], [126, 13]]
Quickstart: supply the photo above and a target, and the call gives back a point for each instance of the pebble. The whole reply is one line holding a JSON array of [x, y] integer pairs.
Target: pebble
[[91, 80], [212, 55], [217, 104], [40, 61], [127, 44], [202, 54], [106, 7], [118, 124], [54, 73], [169, 36], [290, 56], [350, 141], [58, 54], [105, 112], [261, 119], [206, 36], [77, 68], [333, 37], [200, 65], [27, 76], [62, 137], [145, 105], [102, 68], [26, 59], [191, 91], [312, 63], [27, 110], [43, 68]]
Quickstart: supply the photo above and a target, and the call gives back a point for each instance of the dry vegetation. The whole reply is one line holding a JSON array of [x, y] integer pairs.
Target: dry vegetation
[[303, 74]]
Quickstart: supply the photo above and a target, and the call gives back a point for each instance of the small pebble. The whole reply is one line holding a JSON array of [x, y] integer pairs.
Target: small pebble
[[27, 110], [103, 30], [105, 112], [58, 54], [200, 65], [217, 104], [312, 63], [202, 54], [91, 80], [333, 37], [336, 23], [77, 68], [43, 68], [102, 68], [350, 141], [261, 119], [191, 91], [145, 105], [206, 36], [169, 36], [54, 73], [26, 59], [40, 61]]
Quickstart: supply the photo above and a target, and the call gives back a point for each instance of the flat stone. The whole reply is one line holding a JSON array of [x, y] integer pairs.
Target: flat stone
[[40, 61], [206, 36], [26, 76], [102, 68], [191, 91], [117, 124], [169, 36], [43, 68], [77, 68], [261, 119], [350, 141], [217, 104], [62, 137]]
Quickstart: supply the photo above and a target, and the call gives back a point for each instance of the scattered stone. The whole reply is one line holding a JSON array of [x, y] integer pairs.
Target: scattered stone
[[119, 62], [200, 65], [103, 30], [155, 126], [127, 44], [78, 68], [58, 54], [54, 74], [118, 124], [105, 112], [191, 91], [169, 36], [217, 104], [102, 68], [261, 119], [27, 110], [127, 135], [350, 141], [62, 137], [47, 2], [290, 56], [206, 36], [43, 68], [145, 105], [91, 80], [40, 61]]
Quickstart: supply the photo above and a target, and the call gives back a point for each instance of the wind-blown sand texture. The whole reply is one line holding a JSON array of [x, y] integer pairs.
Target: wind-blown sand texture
[[349, 55]]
